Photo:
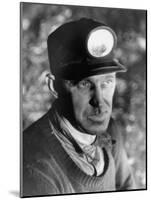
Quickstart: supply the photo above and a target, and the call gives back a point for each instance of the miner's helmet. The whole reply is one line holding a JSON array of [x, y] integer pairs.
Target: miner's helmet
[[82, 48]]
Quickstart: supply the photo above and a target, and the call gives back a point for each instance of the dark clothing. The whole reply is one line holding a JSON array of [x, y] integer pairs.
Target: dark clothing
[[48, 169]]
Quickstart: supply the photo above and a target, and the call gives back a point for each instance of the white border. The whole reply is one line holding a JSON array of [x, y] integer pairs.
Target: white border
[[9, 97]]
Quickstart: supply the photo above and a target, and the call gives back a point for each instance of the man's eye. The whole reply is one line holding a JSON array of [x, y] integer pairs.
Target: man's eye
[[107, 83], [84, 84]]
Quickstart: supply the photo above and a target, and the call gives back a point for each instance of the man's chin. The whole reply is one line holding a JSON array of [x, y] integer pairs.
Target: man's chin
[[96, 132], [97, 128]]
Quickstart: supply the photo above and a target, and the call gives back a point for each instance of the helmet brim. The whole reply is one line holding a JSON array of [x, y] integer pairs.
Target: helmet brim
[[75, 71]]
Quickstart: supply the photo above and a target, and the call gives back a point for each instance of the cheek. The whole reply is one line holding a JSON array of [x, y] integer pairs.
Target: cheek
[[80, 103], [108, 95]]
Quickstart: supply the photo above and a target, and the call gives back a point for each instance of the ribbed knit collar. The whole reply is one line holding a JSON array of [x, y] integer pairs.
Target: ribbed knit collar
[[94, 183], [91, 157], [105, 140]]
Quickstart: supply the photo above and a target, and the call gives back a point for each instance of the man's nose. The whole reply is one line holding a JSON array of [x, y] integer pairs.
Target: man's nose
[[97, 98]]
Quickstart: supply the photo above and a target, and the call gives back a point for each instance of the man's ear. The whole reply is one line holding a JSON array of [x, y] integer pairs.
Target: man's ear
[[50, 82]]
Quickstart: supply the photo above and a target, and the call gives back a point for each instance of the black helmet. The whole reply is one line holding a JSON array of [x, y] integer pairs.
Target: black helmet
[[82, 48]]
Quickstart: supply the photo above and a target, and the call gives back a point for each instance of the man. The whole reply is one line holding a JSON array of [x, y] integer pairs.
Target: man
[[77, 147]]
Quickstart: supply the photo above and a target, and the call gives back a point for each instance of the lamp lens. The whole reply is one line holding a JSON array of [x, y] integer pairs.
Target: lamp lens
[[100, 42]]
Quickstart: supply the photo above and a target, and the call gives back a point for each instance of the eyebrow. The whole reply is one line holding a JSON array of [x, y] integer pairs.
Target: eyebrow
[[107, 76], [110, 76], [91, 80]]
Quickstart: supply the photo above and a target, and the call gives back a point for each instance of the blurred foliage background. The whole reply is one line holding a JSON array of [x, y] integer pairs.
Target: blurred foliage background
[[39, 20]]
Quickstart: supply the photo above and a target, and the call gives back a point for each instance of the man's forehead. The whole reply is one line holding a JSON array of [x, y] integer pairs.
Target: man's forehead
[[100, 76]]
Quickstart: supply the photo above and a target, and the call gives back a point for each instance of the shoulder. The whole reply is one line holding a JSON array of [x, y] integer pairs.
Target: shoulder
[[39, 125], [35, 138]]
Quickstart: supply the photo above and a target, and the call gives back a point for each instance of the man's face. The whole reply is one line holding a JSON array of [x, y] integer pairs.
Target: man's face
[[91, 101]]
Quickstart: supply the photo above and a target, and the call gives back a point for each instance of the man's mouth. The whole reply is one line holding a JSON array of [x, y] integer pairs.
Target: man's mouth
[[98, 117]]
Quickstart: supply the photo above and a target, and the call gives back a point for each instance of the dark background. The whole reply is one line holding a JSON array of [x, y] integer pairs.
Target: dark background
[[39, 20]]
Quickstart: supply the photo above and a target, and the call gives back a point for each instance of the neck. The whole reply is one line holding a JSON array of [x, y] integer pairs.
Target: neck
[[80, 137]]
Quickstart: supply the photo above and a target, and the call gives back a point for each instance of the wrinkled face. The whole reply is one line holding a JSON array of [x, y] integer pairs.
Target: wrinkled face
[[91, 101]]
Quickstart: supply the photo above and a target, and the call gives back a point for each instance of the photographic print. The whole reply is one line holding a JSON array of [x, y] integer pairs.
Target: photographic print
[[83, 99]]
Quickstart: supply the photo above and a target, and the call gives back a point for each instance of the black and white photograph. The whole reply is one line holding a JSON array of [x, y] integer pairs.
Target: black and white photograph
[[83, 99]]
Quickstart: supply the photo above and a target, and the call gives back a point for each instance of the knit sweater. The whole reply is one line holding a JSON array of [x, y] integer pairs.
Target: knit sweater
[[48, 169]]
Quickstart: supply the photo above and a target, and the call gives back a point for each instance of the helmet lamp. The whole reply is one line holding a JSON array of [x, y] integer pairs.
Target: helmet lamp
[[101, 41]]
